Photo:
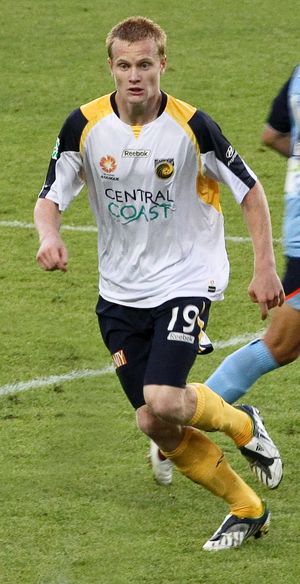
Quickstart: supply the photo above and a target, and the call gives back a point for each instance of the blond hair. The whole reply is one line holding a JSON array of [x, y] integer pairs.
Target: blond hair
[[137, 28]]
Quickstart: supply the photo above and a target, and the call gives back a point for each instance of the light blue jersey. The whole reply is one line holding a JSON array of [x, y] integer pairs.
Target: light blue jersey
[[291, 227]]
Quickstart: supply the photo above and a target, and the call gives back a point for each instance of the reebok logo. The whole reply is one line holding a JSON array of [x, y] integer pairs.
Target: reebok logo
[[134, 153], [180, 337]]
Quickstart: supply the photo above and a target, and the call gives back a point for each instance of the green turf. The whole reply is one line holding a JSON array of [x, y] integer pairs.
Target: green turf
[[78, 503]]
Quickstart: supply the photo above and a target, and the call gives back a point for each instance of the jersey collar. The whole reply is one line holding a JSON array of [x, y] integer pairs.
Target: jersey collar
[[162, 107]]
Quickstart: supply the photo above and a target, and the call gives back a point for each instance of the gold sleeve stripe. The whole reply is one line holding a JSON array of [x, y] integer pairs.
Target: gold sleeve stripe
[[207, 189], [94, 111]]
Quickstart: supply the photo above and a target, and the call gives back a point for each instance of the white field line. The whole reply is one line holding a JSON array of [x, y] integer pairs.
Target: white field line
[[44, 381], [93, 229], [17, 387], [239, 340], [22, 225]]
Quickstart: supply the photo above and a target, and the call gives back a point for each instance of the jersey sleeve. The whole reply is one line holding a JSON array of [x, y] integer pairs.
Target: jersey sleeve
[[65, 176], [220, 160], [278, 117]]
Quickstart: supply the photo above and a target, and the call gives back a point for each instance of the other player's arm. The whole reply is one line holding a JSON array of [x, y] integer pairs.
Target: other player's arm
[[52, 253], [265, 287], [276, 134], [276, 140]]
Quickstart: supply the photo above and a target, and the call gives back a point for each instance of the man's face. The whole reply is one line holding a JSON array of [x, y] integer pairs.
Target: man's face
[[136, 68]]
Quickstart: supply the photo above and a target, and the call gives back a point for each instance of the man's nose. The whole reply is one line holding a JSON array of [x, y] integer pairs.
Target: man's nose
[[134, 74]]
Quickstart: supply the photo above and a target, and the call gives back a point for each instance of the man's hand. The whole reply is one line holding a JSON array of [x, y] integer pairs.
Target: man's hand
[[266, 290], [52, 254], [265, 287]]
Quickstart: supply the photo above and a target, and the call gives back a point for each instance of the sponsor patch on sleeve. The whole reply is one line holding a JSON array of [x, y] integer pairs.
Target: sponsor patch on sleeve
[[119, 358]]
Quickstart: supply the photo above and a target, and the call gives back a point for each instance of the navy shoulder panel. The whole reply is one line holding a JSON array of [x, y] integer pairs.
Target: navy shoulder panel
[[68, 141], [210, 139], [207, 132], [70, 134]]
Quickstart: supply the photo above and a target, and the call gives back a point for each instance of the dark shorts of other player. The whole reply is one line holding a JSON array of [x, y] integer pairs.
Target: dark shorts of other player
[[291, 278], [152, 345]]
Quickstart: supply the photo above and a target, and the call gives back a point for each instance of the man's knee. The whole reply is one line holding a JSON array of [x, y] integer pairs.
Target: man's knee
[[161, 399], [168, 436], [146, 421], [285, 357], [282, 336], [285, 350]]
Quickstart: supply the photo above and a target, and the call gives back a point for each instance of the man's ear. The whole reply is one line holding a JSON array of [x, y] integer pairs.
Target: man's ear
[[109, 61], [163, 64]]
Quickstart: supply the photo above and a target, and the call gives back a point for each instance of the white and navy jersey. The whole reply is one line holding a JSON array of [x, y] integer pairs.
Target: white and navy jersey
[[155, 195], [285, 118]]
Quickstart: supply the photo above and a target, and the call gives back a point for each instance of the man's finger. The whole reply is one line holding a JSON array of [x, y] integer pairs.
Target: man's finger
[[263, 310], [63, 259], [281, 298], [252, 295]]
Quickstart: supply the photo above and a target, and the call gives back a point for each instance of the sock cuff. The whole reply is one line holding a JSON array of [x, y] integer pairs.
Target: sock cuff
[[264, 356], [182, 445]]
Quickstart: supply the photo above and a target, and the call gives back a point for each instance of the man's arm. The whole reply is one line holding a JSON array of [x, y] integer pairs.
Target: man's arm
[[52, 253], [276, 134], [276, 140], [265, 287]]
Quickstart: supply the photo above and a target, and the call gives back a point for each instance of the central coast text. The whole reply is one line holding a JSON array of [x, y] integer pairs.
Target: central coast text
[[127, 206]]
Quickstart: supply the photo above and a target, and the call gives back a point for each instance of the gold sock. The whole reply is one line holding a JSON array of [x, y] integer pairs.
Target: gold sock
[[202, 461], [213, 413]]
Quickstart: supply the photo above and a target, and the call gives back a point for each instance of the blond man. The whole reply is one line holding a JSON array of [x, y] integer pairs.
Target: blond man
[[152, 165]]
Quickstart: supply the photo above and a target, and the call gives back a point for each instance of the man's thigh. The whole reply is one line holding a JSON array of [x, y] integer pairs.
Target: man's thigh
[[127, 333]]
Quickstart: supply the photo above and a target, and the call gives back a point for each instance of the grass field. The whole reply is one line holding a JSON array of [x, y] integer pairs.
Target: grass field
[[78, 503]]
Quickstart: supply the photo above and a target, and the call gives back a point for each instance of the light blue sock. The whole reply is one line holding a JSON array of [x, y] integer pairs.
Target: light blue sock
[[241, 369]]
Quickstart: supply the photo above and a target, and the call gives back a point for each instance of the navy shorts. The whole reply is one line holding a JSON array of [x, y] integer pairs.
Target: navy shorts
[[152, 345], [291, 282]]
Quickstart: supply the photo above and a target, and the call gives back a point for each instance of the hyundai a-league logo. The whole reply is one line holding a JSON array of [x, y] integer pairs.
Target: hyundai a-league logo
[[108, 164]]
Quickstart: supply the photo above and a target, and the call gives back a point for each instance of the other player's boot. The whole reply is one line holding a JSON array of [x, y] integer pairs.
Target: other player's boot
[[261, 452]]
